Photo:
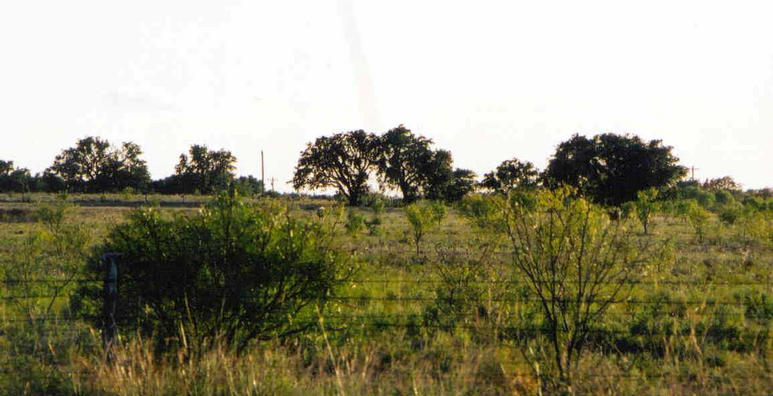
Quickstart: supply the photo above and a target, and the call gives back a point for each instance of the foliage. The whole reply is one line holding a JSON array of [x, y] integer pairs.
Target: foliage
[[424, 216], [248, 186], [205, 170], [403, 161], [93, 165], [462, 183], [576, 262], [511, 174], [234, 271], [355, 223], [697, 217], [342, 161], [645, 205], [612, 168], [484, 213], [723, 183]]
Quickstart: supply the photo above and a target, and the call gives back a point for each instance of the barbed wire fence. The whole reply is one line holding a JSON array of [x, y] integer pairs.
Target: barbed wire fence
[[395, 320]]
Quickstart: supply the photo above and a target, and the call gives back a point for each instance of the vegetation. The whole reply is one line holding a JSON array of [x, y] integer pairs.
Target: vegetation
[[612, 168], [342, 161], [93, 165], [511, 174], [534, 288], [234, 272]]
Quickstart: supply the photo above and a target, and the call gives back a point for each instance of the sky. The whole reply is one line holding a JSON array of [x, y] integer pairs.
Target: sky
[[488, 81]]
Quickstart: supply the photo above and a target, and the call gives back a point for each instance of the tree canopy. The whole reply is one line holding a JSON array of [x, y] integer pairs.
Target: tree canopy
[[205, 170], [511, 174], [611, 168], [404, 161], [342, 161], [94, 165]]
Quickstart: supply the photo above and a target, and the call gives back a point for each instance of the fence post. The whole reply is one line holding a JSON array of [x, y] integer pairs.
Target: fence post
[[109, 302]]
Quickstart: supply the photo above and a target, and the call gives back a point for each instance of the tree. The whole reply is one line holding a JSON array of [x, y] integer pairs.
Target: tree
[[462, 183], [511, 174], [94, 166], [6, 167], [645, 205], [424, 216], [342, 161], [14, 179], [722, 183], [612, 168], [438, 174], [403, 159], [205, 170]]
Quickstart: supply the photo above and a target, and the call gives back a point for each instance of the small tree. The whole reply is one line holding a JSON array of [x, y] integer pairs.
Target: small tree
[[423, 216], [697, 217], [575, 261], [645, 206]]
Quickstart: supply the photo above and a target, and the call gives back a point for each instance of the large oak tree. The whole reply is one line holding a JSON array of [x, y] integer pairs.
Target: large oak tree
[[342, 161], [93, 165], [612, 168]]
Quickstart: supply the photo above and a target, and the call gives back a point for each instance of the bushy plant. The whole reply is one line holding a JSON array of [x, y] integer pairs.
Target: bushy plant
[[575, 262], [355, 223], [483, 212], [697, 217], [645, 205], [423, 216], [233, 272]]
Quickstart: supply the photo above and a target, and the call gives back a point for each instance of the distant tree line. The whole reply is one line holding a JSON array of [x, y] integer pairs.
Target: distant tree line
[[609, 169], [94, 165]]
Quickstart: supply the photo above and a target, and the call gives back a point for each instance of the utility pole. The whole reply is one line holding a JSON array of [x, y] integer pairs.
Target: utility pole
[[262, 172], [692, 172], [272, 184]]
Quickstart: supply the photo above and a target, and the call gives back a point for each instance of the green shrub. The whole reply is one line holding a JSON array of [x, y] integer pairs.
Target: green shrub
[[645, 205], [730, 213], [423, 216], [697, 217], [574, 261], [233, 272], [483, 212], [355, 223]]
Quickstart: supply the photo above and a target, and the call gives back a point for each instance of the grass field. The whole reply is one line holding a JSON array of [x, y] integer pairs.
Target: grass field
[[697, 319]]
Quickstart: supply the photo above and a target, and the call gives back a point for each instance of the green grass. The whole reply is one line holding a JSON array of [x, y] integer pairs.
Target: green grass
[[710, 333]]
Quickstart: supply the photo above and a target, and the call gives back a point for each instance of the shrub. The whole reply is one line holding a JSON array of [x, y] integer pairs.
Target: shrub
[[575, 262], [483, 212], [233, 272], [423, 216], [697, 217], [645, 205], [355, 222]]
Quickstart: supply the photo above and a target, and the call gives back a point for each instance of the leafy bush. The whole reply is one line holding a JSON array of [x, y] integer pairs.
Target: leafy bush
[[233, 272], [697, 217], [423, 216], [575, 261], [483, 212], [355, 223], [645, 205]]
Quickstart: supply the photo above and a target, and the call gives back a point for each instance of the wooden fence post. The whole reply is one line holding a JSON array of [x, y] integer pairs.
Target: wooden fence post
[[109, 302]]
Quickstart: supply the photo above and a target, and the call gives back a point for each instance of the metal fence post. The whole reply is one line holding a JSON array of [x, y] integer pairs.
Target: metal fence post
[[109, 302]]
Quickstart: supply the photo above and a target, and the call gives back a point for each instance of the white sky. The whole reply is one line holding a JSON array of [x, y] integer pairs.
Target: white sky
[[486, 80]]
